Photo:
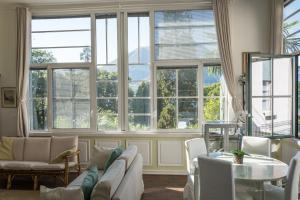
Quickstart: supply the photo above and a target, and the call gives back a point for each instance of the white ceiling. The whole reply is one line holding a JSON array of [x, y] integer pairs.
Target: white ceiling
[[80, 1]]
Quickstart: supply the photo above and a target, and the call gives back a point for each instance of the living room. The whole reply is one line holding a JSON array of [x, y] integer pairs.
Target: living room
[[138, 91]]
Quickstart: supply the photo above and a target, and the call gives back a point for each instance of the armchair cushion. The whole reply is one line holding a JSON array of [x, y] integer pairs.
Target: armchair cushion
[[37, 149], [61, 144], [18, 148], [60, 157], [6, 148]]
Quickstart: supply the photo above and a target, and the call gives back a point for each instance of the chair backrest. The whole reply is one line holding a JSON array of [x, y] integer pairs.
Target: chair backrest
[[256, 145], [291, 189], [194, 148], [216, 179]]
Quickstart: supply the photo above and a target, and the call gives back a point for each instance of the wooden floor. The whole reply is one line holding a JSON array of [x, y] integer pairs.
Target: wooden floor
[[157, 187]]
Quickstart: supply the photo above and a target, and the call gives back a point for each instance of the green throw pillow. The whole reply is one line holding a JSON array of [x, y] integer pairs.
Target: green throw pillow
[[89, 182], [113, 156]]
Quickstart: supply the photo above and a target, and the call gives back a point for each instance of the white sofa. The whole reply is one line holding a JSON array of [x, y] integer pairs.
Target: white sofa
[[32, 156], [123, 180]]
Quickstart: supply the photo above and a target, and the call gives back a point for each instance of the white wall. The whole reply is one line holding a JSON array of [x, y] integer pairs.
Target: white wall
[[8, 116], [250, 27]]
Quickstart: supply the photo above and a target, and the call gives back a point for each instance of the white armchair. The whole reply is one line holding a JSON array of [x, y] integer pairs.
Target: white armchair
[[256, 145]]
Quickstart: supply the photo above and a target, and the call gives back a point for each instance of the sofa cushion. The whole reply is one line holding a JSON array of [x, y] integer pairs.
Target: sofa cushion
[[89, 182], [18, 148], [77, 182], [60, 157], [113, 156], [61, 144], [99, 156], [6, 148], [37, 149], [60, 193], [109, 182], [47, 166], [17, 165], [128, 155]]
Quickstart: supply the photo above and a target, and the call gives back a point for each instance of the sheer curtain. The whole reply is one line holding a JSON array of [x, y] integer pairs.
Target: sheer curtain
[[220, 8], [23, 61]]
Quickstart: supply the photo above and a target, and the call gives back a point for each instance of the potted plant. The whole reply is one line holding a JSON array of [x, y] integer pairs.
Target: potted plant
[[238, 156]]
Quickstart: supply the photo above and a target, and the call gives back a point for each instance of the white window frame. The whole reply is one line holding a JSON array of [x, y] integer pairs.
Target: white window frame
[[122, 12]]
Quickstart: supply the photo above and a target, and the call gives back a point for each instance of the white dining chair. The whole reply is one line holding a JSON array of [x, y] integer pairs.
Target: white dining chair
[[256, 145], [216, 180], [193, 148], [290, 192]]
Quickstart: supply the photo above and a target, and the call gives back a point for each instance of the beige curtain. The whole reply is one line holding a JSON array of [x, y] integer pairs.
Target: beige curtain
[[23, 60], [220, 8], [276, 26]]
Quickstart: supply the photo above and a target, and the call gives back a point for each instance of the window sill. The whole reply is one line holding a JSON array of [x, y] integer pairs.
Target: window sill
[[119, 134]]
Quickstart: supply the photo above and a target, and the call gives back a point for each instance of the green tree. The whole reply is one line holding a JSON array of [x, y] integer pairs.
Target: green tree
[[86, 55], [212, 105], [42, 56], [291, 44]]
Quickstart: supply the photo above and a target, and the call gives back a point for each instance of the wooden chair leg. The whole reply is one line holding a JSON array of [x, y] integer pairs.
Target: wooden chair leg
[[9, 179], [35, 182]]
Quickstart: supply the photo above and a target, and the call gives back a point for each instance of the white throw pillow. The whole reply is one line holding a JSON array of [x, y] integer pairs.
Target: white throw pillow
[[99, 156], [61, 193]]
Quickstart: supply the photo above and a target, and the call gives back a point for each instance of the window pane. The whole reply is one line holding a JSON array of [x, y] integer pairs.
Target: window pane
[[166, 82], [139, 105], [63, 114], [282, 76], [107, 72], [38, 92], [139, 73], [107, 88], [214, 83], [38, 114], [187, 113], [282, 116], [107, 114], [261, 77], [71, 98], [82, 113], [166, 113], [139, 122], [188, 34], [133, 40], [138, 89], [187, 82], [72, 23], [214, 109], [262, 116], [144, 40], [61, 40], [61, 55], [107, 40], [186, 51]]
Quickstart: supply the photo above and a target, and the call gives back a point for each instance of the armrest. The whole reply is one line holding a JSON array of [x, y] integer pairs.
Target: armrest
[[76, 153], [67, 157]]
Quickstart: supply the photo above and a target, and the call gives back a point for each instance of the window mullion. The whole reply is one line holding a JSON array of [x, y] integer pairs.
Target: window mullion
[[152, 74], [93, 76], [50, 99], [200, 95]]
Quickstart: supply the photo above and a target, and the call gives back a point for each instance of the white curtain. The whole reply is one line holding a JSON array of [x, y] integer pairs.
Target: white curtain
[[221, 13], [276, 26], [23, 61]]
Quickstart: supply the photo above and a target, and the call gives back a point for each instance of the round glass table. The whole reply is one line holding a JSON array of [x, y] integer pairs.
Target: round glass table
[[255, 168]]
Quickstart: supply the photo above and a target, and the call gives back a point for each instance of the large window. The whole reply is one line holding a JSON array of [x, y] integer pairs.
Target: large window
[[125, 71], [271, 95], [107, 72], [291, 27], [139, 109]]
